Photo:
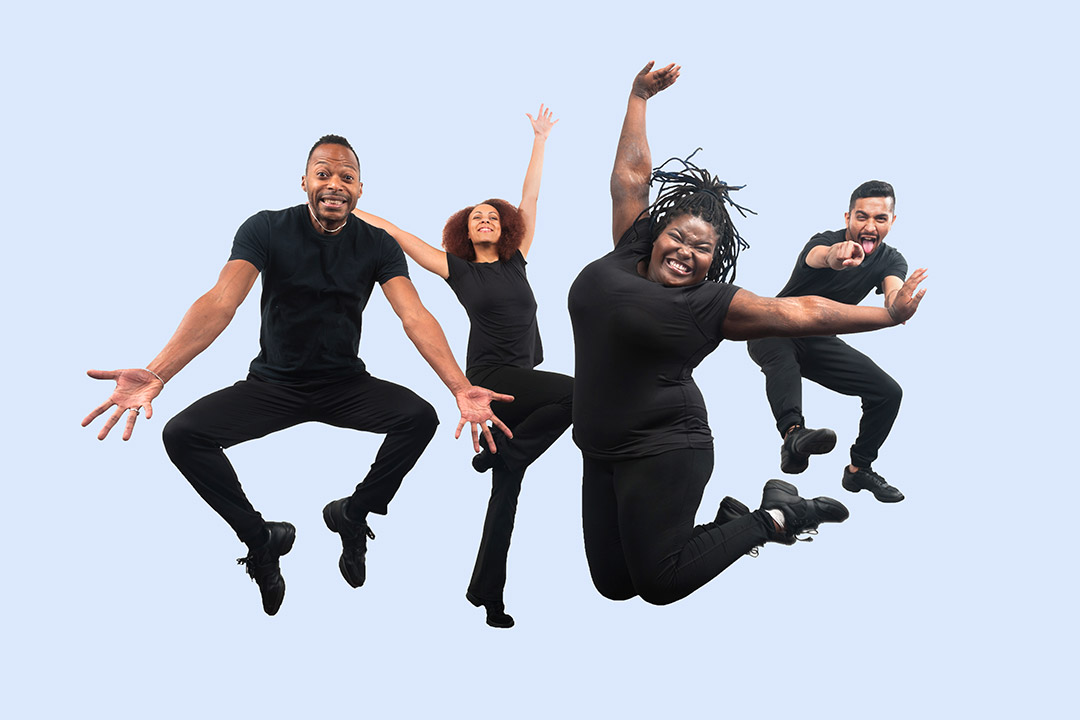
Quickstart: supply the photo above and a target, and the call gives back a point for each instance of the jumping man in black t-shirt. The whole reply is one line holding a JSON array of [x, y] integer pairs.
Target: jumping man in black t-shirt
[[843, 265], [644, 316], [319, 265], [484, 264]]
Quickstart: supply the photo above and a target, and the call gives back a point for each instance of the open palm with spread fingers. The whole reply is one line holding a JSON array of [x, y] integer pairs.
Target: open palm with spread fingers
[[135, 390], [543, 122]]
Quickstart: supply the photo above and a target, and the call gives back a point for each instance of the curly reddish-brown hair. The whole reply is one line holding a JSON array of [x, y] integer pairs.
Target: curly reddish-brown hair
[[455, 234]]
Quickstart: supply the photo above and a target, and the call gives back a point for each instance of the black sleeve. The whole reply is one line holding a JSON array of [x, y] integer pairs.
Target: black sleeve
[[252, 241]]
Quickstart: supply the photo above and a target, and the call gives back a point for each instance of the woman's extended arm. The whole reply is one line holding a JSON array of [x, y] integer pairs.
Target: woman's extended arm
[[424, 255], [633, 161], [751, 316], [530, 191]]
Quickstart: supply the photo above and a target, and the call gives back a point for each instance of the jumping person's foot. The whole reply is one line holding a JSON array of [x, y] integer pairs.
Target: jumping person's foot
[[485, 459], [801, 517], [263, 567], [496, 612], [354, 536], [732, 509], [867, 479], [800, 443]]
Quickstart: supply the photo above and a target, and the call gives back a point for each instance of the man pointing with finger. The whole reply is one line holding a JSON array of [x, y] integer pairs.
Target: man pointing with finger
[[842, 265], [319, 265]]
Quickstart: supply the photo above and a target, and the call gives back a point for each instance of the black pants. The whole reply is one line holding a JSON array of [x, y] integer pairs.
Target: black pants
[[640, 537], [253, 408], [539, 414], [832, 363]]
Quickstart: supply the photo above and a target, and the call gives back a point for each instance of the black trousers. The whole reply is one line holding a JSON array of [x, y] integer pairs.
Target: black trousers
[[253, 408], [539, 414], [831, 363], [640, 537]]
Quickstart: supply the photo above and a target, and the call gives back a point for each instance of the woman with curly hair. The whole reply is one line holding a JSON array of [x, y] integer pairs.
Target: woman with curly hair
[[484, 263], [644, 316]]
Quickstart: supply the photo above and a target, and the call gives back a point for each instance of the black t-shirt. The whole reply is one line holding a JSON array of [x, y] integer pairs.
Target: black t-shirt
[[636, 345], [315, 288], [501, 309], [847, 286]]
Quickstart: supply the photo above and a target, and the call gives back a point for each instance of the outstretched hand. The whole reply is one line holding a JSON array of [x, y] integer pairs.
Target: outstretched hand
[[475, 406], [844, 255], [907, 300], [543, 122], [649, 82], [135, 389]]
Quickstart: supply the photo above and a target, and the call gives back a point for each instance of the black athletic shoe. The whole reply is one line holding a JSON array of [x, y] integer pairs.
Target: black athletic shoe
[[485, 459], [867, 479], [262, 564], [800, 443], [801, 517], [732, 509], [496, 612], [354, 537]]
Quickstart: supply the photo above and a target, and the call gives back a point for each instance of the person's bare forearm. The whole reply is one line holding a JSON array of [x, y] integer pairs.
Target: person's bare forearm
[[428, 337], [202, 324], [632, 157], [813, 315]]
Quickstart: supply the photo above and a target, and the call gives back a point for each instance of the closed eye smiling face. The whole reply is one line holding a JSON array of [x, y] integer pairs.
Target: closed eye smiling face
[[682, 253], [484, 225]]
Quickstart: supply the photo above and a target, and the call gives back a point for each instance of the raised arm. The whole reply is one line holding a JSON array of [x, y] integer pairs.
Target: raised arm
[[426, 334], [530, 191], [633, 161], [750, 316], [428, 257], [204, 321]]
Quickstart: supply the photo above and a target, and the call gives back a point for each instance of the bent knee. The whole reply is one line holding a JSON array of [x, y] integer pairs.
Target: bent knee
[[178, 432]]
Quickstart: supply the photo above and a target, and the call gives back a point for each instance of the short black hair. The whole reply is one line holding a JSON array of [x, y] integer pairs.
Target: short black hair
[[332, 140], [872, 189]]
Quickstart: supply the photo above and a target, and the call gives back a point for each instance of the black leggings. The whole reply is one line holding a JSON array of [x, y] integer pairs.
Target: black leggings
[[254, 408], [640, 537], [832, 363], [539, 414]]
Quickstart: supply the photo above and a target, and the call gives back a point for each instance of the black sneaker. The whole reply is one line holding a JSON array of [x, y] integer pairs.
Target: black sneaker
[[262, 564], [485, 459], [800, 443], [867, 479], [354, 537], [496, 612], [801, 517], [732, 509]]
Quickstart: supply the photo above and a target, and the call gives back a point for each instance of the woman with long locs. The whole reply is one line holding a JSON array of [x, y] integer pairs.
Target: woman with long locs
[[484, 263], [644, 316]]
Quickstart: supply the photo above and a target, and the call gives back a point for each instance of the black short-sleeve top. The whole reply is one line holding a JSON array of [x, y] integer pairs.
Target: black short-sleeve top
[[314, 290], [502, 312], [636, 344], [847, 286]]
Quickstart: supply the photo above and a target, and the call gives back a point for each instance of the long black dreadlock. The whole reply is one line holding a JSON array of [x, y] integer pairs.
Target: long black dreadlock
[[693, 191]]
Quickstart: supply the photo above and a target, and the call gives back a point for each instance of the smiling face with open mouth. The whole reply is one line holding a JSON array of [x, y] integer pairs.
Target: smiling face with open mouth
[[682, 252], [869, 222], [484, 225], [332, 183]]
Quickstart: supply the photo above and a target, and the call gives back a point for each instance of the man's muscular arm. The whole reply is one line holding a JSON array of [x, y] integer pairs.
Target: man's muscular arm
[[204, 321], [427, 335]]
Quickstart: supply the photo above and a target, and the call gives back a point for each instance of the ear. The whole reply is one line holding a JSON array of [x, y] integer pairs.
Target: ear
[[303, 183], [359, 190], [847, 218]]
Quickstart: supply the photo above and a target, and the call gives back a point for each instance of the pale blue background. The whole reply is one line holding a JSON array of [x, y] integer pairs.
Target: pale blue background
[[138, 138]]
